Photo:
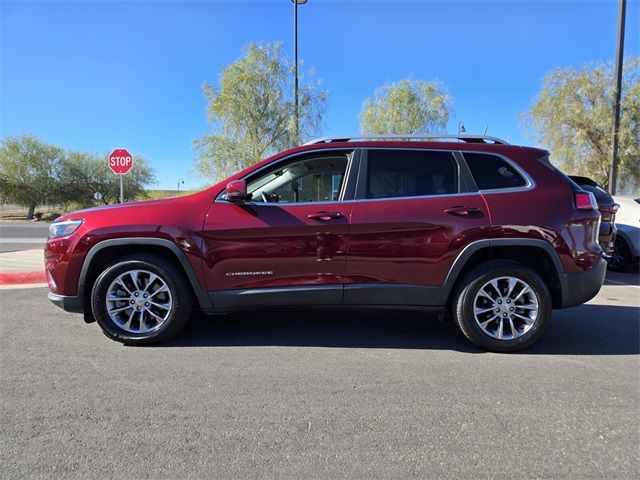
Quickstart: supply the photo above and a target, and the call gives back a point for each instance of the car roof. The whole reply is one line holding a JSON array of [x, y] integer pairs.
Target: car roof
[[505, 149]]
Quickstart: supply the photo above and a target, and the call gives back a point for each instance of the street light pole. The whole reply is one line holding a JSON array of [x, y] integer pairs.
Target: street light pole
[[613, 174], [295, 68]]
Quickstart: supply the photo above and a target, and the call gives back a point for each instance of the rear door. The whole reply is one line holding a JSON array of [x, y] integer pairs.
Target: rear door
[[415, 210]]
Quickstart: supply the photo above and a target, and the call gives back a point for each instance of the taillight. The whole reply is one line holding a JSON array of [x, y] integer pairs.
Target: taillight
[[586, 201], [612, 210]]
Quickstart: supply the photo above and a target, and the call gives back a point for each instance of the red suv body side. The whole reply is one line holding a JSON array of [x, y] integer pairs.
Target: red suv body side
[[399, 251]]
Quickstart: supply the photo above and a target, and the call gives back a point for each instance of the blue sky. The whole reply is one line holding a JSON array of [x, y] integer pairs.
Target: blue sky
[[94, 76]]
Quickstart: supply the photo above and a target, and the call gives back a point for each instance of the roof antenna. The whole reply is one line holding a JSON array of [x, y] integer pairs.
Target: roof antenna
[[485, 130]]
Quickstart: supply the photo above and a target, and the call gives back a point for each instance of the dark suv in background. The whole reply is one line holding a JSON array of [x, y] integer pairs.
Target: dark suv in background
[[607, 208], [490, 232]]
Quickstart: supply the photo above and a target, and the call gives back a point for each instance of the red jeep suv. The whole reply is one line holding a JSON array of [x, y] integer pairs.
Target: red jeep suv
[[490, 232]]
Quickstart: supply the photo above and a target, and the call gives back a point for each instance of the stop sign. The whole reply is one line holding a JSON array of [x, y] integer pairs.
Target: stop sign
[[120, 161]]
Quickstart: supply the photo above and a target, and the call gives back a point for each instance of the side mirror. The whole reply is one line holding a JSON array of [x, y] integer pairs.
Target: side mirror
[[237, 191]]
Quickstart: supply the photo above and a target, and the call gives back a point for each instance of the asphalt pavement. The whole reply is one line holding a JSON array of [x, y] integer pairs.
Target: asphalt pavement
[[22, 235], [320, 395]]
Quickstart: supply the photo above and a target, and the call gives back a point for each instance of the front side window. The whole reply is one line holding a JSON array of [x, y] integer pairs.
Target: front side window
[[491, 172], [312, 179], [410, 173]]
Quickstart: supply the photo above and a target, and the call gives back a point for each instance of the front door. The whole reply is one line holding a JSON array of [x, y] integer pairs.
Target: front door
[[287, 245], [415, 210]]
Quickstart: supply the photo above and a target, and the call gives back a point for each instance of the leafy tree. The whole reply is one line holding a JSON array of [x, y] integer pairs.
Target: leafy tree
[[135, 182], [87, 173], [573, 117], [251, 112], [29, 171], [72, 184], [34, 173], [406, 107]]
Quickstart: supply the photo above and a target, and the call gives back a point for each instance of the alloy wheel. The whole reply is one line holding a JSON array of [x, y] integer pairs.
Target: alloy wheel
[[505, 308], [139, 301]]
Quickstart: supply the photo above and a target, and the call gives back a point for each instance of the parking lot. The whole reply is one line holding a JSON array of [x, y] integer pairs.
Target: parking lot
[[294, 394], [321, 395], [21, 235]]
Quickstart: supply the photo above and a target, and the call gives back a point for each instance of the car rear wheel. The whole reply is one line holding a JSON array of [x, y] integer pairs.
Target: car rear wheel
[[502, 306], [621, 259], [141, 299]]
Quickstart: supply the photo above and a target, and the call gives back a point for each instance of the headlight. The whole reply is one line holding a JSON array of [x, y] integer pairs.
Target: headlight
[[63, 229]]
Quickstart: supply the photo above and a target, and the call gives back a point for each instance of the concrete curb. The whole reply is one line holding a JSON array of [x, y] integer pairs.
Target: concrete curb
[[22, 268], [22, 286], [21, 278]]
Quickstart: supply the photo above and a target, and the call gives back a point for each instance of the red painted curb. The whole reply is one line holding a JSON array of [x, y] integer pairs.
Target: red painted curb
[[20, 278]]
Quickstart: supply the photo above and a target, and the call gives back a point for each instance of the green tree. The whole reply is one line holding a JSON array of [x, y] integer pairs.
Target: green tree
[[573, 117], [34, 173], [73, 180], [86, 173], [29, 172], [251, 112], [406, 107]]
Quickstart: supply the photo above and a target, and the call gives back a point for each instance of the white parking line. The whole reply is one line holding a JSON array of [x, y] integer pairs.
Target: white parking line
[[621, 283]]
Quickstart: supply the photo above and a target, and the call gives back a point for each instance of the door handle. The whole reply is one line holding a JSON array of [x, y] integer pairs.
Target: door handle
[[324, 216], [462, 211]]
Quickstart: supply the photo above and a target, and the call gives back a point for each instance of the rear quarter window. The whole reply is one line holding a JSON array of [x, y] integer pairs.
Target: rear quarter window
[[491, 172]]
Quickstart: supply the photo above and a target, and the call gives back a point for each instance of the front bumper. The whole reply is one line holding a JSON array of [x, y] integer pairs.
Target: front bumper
[[578, 288], [67, 303]]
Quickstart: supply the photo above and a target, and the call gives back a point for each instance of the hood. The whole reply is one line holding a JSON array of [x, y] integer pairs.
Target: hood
[[161, 203]]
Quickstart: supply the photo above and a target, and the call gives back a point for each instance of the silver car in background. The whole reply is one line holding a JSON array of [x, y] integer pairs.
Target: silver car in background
[[626, 250]]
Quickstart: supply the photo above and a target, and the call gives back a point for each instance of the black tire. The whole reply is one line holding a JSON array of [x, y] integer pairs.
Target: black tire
[[621, 259], [180, 300], [465, 296]]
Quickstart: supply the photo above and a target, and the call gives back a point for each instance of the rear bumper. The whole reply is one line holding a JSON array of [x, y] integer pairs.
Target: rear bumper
[[606, 236], [578, 288], [67, 303]]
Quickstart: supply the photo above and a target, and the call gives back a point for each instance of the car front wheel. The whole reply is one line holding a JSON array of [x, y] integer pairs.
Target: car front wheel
[[141, 299], [502, 306]]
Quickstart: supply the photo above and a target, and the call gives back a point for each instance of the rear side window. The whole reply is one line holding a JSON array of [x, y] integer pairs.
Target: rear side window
[[410, 173], [491, 172]]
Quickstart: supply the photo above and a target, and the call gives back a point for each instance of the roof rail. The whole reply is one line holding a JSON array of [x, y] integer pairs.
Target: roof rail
[[459, 138]]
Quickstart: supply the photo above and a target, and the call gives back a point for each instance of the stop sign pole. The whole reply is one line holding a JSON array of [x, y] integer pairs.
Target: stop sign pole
[[120, 163]]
